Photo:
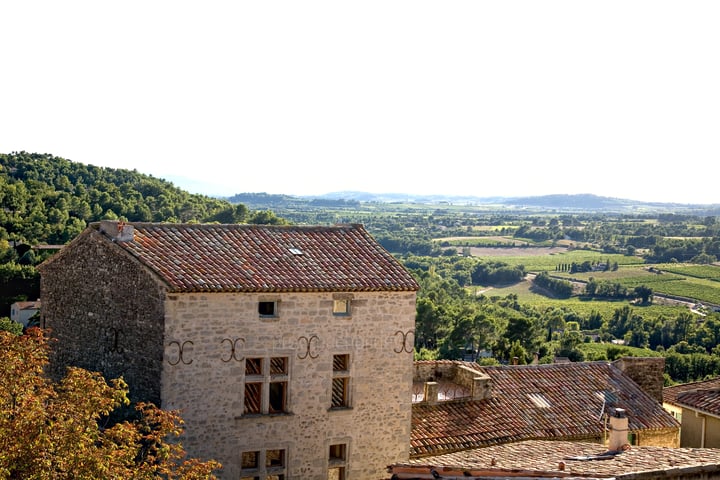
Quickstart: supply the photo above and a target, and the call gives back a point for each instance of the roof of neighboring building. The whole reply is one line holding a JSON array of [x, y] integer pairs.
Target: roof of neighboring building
[[263, 258], [28, 305], [706, 401], [557, 459], [670, 394], [549, 401]]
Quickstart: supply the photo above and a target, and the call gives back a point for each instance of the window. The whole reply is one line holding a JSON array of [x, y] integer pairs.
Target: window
[[341, 307], [267, 308], [263, 465], [266, 385], [337, 461], [341, 381]]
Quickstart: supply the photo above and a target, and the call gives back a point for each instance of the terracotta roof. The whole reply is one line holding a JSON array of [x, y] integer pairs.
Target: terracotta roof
[[553, 401], [543, 458], [670, 394], [266, 258], [707, 401]]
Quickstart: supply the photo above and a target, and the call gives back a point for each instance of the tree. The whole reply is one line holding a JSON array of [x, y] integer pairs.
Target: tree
[[52, 430], [644, 293]]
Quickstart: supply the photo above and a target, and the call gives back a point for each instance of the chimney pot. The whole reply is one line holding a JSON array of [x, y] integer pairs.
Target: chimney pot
[[117, 231], [618, 430]]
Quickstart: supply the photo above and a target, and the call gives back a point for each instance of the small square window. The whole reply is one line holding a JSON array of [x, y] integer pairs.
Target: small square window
[[253, 366], [275, 458], [267, 309], [340, 363], [278, 366], [341, 307], [250, 459], [337, 451]]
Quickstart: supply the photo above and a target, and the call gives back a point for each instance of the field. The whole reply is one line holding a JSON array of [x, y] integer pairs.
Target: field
[[688, 281], [537, 259], [581, 306]]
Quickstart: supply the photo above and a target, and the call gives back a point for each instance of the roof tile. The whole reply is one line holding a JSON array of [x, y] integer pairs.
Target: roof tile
[[258, 258]]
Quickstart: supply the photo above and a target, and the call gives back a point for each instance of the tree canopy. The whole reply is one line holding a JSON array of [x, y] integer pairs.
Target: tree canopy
[[48, 199], [60, 430]]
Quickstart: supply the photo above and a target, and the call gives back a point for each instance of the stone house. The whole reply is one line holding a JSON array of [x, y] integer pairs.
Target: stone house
[[278, 344], [697, 406], [461, 405]]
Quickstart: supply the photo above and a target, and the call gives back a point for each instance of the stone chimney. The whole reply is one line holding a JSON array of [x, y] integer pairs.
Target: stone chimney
[[117, 231], [618, 430], [647, 372]]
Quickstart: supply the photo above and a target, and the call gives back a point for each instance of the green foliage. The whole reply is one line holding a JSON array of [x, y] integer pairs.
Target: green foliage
[[7, 325], [47, 199], [558, 287], [425, 354], [17, 283]]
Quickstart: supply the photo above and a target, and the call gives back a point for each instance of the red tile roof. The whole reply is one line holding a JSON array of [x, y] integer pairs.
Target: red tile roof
[[670, 394], [557, 459], [554, 401], [266, 258], [707, 401]]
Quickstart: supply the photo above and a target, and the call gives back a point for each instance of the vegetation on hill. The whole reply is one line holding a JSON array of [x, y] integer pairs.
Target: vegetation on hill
[[47, 199]]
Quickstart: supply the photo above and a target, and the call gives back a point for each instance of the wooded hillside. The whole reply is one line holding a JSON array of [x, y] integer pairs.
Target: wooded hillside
[[48, 199]]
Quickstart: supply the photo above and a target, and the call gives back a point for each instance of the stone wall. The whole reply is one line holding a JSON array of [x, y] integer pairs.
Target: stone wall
[[669, 437], [476, 383], [647, 372], [106, 313], [209, 337]]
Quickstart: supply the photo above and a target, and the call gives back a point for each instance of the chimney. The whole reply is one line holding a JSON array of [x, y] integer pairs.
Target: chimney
[[647, 372], [618, 430], [431, 393], [117, 231]]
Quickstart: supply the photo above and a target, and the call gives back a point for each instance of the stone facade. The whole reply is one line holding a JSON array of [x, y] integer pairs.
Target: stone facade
[[303, 384], [217, 333], [106, 313]]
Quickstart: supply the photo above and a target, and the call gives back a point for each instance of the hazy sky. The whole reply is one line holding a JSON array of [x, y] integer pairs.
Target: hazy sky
[[616, 98]]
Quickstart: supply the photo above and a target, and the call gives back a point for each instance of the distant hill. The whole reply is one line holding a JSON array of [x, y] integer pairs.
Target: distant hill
[[559, 202]]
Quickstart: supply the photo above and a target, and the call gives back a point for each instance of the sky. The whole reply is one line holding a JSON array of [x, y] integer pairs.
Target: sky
[[481, 97]]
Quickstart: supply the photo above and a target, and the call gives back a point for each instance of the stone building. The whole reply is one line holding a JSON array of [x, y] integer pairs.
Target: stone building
[[288, 350]]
